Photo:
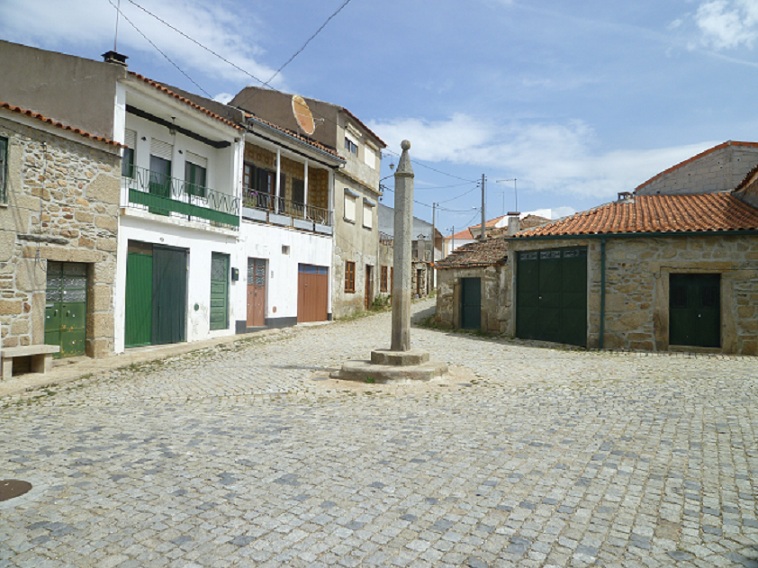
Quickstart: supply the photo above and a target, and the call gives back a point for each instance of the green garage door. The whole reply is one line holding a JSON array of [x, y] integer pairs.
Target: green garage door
[[695, 310], [156, 294], [551, 295]]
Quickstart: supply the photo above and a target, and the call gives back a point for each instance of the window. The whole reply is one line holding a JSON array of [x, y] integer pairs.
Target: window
[[350, 205], [368, 214], [369, 157], [127, 161], [383, 279], [351, 145], [349, 276], [195, 173], [3, 170], [298, 191], [260, 186]]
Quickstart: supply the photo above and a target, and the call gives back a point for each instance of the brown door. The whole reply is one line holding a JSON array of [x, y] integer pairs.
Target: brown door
[[312, 293], [256, 292], [369, 287]]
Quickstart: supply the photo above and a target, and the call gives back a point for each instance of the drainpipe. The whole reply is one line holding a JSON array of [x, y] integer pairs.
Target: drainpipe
[[602, 293]]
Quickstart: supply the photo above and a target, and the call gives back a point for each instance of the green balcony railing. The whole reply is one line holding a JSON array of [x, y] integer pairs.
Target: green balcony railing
[[164, 195]]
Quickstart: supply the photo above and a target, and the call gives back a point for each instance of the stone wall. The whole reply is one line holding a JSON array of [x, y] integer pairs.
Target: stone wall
[[496, 305], [62, 205], [637, 287]]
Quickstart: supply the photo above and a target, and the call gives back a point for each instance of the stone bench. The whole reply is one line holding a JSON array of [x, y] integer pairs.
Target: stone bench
[[41, 358]]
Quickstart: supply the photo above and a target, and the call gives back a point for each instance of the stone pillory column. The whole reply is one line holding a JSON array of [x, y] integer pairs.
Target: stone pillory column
[[403, 235], [400, 362]]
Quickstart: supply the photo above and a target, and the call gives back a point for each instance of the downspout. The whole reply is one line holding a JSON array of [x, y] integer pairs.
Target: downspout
[[602, 293]]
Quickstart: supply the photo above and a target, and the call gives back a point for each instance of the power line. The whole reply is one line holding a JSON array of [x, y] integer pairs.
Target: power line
[[197, 43], [147, 39], [299, 51]]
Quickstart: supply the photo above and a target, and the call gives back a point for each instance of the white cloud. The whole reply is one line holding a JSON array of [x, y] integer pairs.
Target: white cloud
[[92, 22], [560, 158], [721, 25]]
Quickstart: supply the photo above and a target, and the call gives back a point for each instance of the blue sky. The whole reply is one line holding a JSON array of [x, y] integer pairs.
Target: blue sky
[[577, 101]]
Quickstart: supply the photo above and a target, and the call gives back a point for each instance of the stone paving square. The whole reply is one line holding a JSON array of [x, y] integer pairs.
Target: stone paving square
[[247, 454]]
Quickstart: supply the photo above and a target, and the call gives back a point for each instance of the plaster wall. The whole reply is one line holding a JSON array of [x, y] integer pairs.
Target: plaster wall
[[284, 249], [55, 85]]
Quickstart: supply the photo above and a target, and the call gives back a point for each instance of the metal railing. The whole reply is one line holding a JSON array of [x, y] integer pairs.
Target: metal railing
[[271, 203], [164, 195]]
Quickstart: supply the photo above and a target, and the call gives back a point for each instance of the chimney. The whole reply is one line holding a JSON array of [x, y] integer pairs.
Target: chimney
[[514, 224], [625, 197], [115, 57]]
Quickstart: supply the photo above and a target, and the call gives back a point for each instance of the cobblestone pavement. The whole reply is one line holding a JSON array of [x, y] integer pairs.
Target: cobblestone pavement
[[246, 454]]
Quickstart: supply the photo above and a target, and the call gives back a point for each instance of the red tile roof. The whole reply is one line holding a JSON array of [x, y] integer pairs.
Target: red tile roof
[[697, 157], [707, 213], [58, 124], [483, 253], [185, 100]]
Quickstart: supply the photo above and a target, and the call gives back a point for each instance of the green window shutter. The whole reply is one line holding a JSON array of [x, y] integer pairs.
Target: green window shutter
[[219, 291], [3, 170]]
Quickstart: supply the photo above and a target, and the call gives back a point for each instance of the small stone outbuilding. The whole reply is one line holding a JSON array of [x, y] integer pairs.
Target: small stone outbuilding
[[647, 272]]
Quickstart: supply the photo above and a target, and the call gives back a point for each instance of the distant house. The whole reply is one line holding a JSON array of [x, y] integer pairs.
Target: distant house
[[426, 249]]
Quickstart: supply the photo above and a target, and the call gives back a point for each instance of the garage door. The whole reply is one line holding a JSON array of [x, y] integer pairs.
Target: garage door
[[551, 295], [312, 293]]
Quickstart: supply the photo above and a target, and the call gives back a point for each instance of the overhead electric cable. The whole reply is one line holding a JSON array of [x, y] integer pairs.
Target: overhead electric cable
[[197, 43], [159, 50], [299, 51]]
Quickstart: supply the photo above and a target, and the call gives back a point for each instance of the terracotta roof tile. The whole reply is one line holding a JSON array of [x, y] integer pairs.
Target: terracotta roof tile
[[482, 253], [185, 100], [58, 124], [697, 157], [710, 212]]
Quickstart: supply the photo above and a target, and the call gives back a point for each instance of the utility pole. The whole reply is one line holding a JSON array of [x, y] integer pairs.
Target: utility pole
[[484, 230], [434, 245]]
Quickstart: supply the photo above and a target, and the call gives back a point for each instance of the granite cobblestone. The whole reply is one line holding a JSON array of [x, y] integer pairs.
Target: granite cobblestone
[[248, 454]]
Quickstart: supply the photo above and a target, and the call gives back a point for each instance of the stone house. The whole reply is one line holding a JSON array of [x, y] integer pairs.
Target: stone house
[[59, 197], [647, 272], [473, 282], [355, 269]]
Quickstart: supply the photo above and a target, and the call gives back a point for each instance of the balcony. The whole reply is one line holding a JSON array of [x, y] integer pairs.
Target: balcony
[[163, 195], [260, 206]]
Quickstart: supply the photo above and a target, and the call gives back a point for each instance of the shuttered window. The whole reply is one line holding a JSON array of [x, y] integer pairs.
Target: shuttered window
[[349, 276], [127, 161], [350, 206], [195, 172], [3, 170]]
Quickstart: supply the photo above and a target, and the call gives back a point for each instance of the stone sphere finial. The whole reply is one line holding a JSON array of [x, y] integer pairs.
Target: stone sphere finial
[[405, 144]]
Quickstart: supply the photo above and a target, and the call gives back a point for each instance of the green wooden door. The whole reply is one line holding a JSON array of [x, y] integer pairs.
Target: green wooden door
[[471, 303], [695, 310], [169, 295], [138, 324], [551, 295], [66, 307], [219, 291]]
